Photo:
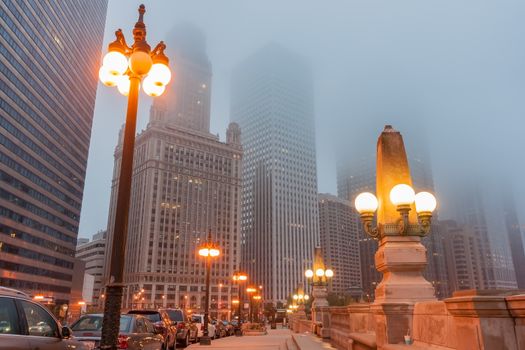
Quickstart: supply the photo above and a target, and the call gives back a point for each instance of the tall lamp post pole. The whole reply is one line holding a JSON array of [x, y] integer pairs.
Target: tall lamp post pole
[[125, 67], [208, 250], [239, 277]]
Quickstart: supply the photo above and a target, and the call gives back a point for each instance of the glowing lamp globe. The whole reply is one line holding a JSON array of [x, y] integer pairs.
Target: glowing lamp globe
[[115, 62], [425, 202], [295, 297], [151, 89], [123, 85], [309, 273], [107, 78], [204, 252], [160, 74], [329, 273], [306, 297], [243, 277], [366, 202], [214, 252], [140, 63], [319, 272], [402, 194]]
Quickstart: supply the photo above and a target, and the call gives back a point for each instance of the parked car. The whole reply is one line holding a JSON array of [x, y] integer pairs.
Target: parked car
[[162, 324], [25, 325], [136, 332], [198, 319], [220, 329], [230, 328], [187, 332]]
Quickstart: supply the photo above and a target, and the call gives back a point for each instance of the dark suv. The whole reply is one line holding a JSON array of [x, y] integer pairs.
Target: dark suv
[[187, 332], [162, 323], [25, 324]]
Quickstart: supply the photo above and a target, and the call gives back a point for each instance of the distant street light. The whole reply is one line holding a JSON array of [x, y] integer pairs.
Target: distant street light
[[125, 67], [209, 250], [238, 278]]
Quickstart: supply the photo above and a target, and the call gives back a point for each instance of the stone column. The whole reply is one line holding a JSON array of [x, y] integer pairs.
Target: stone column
[[400, 257]]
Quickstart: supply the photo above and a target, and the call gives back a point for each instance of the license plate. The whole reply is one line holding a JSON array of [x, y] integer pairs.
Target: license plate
[[89, 344]]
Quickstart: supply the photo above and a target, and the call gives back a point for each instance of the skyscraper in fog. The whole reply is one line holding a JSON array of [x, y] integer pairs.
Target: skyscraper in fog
[[186, 102], [50, 54], [483, 209], [358, 175], [339, 235], [272, 100], [186, 183]]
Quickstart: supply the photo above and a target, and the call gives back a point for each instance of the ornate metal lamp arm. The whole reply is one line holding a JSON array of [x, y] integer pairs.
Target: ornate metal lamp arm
[[368, 219]]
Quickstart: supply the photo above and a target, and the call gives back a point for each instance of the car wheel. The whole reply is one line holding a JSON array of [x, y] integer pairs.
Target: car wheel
[[186, 341]]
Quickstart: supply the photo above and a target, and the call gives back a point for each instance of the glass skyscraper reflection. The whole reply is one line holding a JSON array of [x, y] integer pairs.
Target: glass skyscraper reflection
[[50, 53]]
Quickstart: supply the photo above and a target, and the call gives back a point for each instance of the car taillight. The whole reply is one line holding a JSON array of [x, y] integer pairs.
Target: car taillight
[[123, 341], [181, 325]]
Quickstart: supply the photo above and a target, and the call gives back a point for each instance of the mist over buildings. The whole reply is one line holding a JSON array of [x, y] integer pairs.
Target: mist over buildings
[[450, 76]]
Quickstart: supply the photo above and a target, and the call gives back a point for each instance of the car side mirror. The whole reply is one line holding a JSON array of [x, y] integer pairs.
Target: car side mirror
[[66, 332]]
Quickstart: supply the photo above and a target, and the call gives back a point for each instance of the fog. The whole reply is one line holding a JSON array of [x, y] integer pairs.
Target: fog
[[450, 75]]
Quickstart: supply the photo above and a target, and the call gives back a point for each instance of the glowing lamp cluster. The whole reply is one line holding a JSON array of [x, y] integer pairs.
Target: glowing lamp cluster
[[320, 276], [209, 251], [123, 62], [402, 196], [240, 277]]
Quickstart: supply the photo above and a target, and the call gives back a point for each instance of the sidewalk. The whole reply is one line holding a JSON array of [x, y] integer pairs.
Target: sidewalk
[[307, 341], [276, 339]]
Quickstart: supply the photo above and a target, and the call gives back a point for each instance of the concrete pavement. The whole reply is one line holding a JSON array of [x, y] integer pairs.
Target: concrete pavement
[[276, 339]]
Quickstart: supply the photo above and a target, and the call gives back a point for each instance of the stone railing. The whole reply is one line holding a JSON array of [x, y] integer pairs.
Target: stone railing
[[471, 320]]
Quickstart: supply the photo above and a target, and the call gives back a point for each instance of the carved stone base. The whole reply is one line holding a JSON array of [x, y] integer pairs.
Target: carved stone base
[[402, 259]]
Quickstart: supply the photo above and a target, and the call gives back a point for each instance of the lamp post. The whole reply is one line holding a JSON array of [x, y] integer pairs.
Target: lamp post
[[299, 298], [400, 257], [319, 277], [257, 299], [238, 278], [125, 67], [209, 250], [250, 291]]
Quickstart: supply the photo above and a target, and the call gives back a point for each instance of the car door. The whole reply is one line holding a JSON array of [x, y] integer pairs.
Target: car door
[[11, 337], [42, 328]]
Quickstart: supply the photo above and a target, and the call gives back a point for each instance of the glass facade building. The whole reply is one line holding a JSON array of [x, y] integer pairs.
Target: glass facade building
[[272, 101], [50, 54]]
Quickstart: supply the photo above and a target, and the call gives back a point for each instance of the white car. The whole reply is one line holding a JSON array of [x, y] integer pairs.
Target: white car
[[198, 319]]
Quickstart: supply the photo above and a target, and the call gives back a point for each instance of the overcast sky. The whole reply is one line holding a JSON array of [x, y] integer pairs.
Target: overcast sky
[[450, 75]]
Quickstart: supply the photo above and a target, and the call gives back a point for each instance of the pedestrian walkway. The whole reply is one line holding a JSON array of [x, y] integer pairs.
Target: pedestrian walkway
[[276, 339], [307, 341]]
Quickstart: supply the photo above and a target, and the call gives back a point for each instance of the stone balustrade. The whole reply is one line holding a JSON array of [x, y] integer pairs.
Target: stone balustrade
[[471, 320]]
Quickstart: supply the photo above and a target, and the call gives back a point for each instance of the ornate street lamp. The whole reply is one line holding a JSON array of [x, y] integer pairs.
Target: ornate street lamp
[[238, 278], [209, 250], [125, 67], [250, 290], [319, 277], [403, 217]]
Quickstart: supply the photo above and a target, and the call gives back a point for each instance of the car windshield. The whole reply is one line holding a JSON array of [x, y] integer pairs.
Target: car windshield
[[94, 323], [175, 315], [151, 315]]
